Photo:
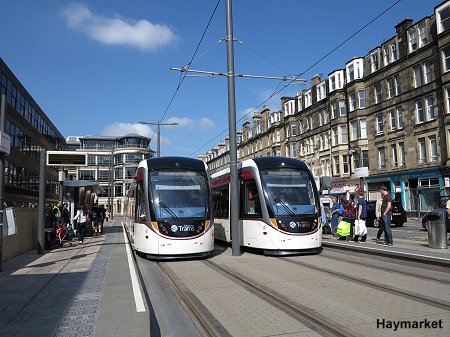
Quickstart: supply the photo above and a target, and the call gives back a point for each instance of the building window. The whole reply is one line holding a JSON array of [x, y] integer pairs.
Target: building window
[[92, 160], [333, 110], [294, 150], [447, 99], [417, 75], [412, 36], [402, 158], [345, 168], [103, 175], [392, 119], [336, 166], [362, 99], [293, 130], [420, 116], [422, 151], [118, 173], [308, 99], [352, 101], [444, 19], [398, 90], [377, 92], [365, 158], [351, 72], [86, 175], [363, 127], [433, 148], [430, 108], [446, 58], [374, 61], [321, 91], [390, 87], [381, 158], [427, 75], [335, 137], [423, 35], [129, 172], [342, 108], [344, 137], [354, 126], [399, 111], [380, 125], [394, 155]]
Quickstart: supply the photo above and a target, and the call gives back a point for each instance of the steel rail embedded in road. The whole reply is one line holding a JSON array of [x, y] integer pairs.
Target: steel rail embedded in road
[[206, 320], [295, 310], [385, 288]]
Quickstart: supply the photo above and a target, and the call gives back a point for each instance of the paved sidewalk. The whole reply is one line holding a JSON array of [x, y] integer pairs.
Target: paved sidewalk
[[60, 293]]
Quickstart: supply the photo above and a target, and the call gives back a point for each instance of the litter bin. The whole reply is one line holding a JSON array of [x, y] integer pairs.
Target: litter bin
[[437, 228]]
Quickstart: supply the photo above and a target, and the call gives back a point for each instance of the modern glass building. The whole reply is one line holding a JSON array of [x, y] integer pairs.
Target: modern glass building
[[30, 132], [107, 155]]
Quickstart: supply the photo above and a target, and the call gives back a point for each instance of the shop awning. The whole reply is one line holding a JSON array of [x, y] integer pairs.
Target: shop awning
[[85, 183]]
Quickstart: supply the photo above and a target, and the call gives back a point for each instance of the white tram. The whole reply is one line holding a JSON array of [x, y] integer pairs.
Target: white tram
[[279, 206], [169, 209]]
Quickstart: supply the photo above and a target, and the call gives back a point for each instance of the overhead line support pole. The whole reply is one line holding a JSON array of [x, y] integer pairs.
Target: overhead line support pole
[[234, 183]]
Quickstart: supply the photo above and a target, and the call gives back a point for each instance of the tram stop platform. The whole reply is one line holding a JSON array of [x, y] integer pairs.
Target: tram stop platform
[[79, 290], [85, 290]]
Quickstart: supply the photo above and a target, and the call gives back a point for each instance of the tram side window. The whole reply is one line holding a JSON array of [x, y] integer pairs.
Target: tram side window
[[140, 203], [221, 203], [250, 199]]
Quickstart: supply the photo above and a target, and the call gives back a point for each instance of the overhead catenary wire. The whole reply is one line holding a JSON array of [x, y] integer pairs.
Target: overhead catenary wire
[[182, 76], [296, 77]]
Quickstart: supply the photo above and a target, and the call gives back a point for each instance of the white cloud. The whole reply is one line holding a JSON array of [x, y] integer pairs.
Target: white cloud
[[248, 112], [206, 123], [122, 129], [117, 31]]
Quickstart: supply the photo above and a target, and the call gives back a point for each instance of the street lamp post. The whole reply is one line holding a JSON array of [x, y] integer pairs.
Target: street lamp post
[[158, 134]]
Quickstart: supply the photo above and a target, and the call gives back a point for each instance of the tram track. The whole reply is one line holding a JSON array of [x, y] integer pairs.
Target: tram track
[[440, 304], [321, 323], [379, 266], [212, 327], [207, 323]]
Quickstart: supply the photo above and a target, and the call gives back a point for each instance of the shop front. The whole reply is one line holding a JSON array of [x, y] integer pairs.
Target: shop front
[[418, 190]]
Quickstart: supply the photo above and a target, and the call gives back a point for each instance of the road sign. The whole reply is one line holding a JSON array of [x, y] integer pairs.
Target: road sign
[[66, 158]]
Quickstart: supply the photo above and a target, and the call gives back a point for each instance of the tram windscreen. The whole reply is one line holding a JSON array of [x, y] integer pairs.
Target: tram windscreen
[[289, 191], [178, 194]]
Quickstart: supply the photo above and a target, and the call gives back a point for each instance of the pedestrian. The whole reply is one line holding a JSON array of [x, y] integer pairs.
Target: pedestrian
[[349, 213], [57, 213], [101, 218], [65, 214], [82, 219], [95, 217], [334, 211], [360, 221], [386, 214], [379, 220]]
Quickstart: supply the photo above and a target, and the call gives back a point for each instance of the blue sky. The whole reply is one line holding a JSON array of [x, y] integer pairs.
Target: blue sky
[[98, 67]]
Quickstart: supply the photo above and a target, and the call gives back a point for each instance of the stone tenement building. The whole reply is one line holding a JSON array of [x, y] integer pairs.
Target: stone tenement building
[[388, 111]]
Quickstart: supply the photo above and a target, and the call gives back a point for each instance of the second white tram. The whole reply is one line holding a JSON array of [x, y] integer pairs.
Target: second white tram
[[169, 209], [279, 206]]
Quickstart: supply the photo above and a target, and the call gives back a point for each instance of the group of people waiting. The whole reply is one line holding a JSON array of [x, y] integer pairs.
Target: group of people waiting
[[87, 216], [353, 213]]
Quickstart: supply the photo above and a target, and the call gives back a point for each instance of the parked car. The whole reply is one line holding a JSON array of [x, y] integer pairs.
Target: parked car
[[398, 214]]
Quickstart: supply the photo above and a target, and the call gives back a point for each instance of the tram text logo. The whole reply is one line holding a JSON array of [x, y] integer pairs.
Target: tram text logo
[[294, 224], [176, 228]]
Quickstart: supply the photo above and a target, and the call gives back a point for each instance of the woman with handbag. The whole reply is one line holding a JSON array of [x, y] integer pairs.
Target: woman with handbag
[[82, 219]]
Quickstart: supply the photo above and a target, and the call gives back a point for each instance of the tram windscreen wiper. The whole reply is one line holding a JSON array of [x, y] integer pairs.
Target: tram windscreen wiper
[[168, 210], [283, 205]]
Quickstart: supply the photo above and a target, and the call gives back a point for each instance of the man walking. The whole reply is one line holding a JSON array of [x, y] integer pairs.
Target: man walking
[[386, 215]]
